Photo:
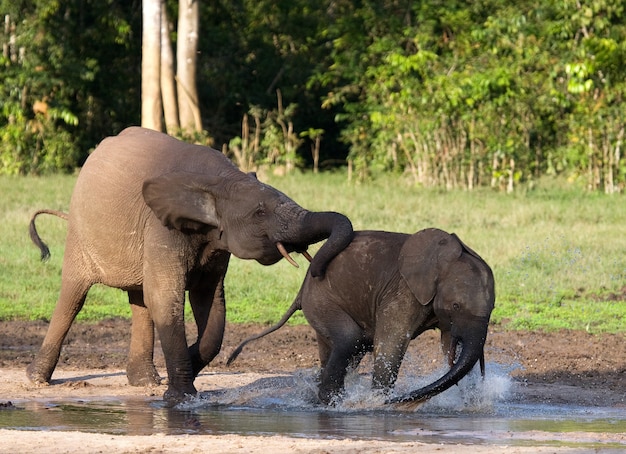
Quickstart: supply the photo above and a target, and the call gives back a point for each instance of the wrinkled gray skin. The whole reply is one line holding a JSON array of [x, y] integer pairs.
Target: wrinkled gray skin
[[156, 217], [384, 290]]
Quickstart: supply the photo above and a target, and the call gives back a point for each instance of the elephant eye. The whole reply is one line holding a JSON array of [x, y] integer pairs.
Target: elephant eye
[[456, 307], [260, 211]]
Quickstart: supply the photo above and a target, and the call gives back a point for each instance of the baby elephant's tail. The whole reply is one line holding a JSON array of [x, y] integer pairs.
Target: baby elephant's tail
[[292, 309], [34, 236]]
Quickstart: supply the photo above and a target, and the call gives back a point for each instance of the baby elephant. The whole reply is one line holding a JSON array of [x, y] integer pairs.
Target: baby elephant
[[384, 290]]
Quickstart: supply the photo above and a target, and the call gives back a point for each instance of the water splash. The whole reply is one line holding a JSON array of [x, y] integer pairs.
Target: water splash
[[296, 391], [473, 394]]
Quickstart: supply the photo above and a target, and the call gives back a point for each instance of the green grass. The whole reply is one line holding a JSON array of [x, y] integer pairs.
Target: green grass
[[559, 257]]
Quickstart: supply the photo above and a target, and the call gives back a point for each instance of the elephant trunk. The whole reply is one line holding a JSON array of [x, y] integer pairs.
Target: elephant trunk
[[472, 346], [317, 226]]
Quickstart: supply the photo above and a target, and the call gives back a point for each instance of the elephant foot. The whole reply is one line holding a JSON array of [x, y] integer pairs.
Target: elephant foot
[[329, 396], [36, 376], [175, 396], [143, 376], [39, 371]]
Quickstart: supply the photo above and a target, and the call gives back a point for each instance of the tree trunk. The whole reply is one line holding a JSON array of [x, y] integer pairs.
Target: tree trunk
[[151, 107], [186, 49], [316, 154], [168, 82]]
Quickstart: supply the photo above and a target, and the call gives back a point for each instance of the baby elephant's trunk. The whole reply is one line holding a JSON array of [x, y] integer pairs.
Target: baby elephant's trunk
[[472, 345]]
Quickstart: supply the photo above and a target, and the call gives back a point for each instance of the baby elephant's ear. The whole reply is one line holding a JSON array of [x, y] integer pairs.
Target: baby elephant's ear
[[467, 249], [423, 257], [182, 200]]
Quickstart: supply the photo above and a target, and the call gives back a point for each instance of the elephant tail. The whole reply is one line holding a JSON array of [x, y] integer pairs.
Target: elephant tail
[[295, 306], [34, 236]]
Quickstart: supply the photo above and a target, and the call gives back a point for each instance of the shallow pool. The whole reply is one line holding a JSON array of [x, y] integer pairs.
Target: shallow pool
[[474, 412]]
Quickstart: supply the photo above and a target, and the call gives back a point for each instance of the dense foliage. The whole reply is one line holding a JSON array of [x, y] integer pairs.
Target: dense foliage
[[69, 77], [452, 94]]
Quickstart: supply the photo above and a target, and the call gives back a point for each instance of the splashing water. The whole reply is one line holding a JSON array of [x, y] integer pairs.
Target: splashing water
[[473, 394], [296, 391]]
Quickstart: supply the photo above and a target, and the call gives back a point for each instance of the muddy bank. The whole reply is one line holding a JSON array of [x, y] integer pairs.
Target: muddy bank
[[548, 365]]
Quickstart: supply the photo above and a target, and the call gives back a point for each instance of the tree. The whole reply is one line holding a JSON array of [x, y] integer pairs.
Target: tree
[[176, 102], [316, 137], [186, 52], [168, 78], [151, 105]]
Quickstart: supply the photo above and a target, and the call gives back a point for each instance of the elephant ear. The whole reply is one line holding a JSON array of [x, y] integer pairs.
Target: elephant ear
[[467, 249], [183, 200], [423, 257]]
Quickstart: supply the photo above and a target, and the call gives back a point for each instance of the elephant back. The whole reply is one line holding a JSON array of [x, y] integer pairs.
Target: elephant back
[[107, 210], [369, 260]]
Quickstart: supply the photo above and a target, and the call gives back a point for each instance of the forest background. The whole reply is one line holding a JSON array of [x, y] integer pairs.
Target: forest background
[[453, 94]]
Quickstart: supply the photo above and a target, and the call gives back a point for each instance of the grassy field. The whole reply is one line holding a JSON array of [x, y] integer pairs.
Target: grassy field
[[559, 257]]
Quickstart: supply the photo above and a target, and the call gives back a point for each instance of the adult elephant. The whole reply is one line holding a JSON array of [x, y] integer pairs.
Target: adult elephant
[[384, 290], [156, 217]]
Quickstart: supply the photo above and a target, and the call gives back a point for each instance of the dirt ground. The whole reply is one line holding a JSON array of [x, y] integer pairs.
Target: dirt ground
[[575, 368]]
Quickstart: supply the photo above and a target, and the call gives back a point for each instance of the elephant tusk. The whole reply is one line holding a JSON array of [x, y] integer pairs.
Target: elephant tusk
[[452, 351], [307, 256], [285, 254]]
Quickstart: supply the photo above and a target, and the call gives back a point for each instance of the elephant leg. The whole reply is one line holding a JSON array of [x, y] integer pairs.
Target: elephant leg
[[209, 309], [210, 320], [394, 329], [388, 356], [323, 349], [364, 347], [167, 310], [140, 370], [347, 342], [71, 300]]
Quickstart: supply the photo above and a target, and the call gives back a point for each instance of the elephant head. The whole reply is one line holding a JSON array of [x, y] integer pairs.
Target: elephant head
[[251, 219], [442, 271]]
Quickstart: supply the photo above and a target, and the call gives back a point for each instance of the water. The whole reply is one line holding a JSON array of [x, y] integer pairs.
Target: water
[[474, 412]]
